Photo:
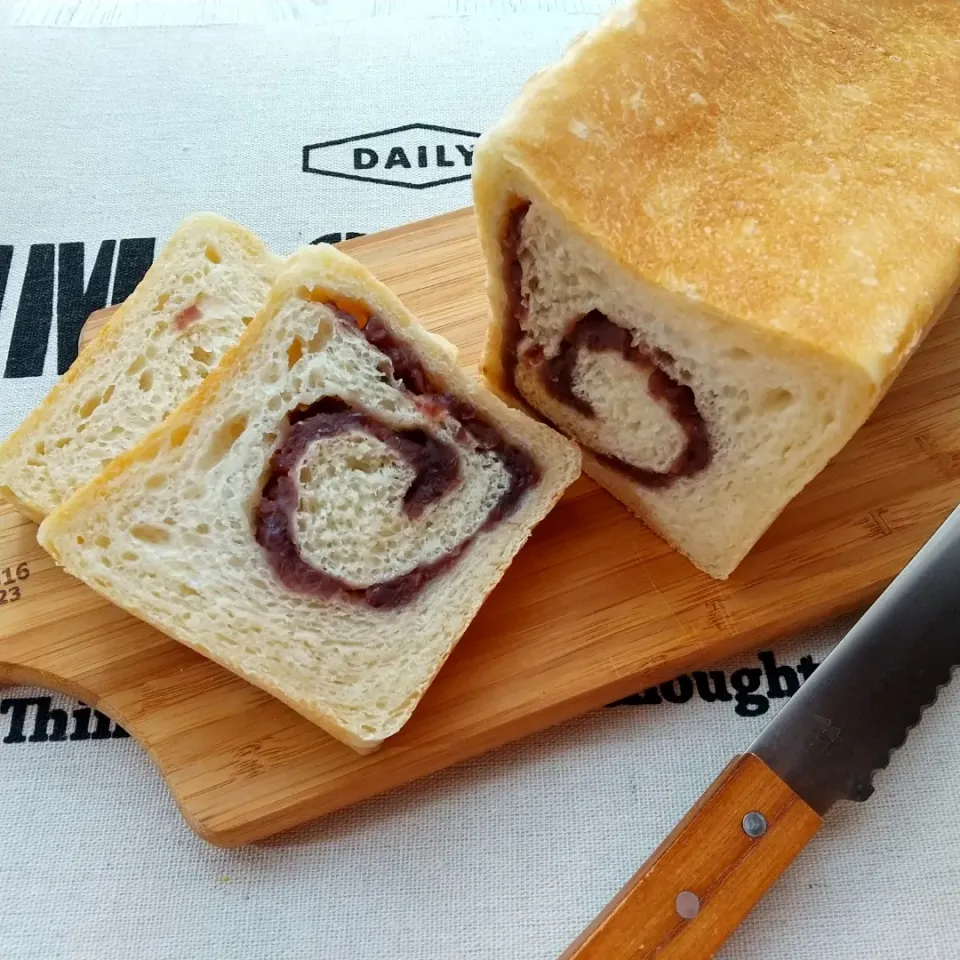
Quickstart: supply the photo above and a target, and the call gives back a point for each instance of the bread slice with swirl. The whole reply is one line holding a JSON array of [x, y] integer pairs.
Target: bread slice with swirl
[[326, 514], [715, 232], [208, 282]]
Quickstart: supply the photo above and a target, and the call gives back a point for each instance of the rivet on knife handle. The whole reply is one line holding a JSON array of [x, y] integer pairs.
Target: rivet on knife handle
[[701, 882]]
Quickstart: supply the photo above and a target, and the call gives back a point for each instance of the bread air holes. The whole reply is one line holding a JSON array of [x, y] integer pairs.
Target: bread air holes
[[202, 356], [223, 440], [320, 338], [161, 302], [102, 541], [146, 381], [136, 366], [773, 401], [313, 294], [298, 346], [294, 352], [367, 464], [91, 404], [149, 533], [272, 373], [212, 253], [179, 434]]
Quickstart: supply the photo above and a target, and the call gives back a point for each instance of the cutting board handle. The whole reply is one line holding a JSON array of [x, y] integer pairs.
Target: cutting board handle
[[708, 874]]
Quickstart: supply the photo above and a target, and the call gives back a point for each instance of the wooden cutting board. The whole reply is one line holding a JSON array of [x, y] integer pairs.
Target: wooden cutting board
[[595, 607]]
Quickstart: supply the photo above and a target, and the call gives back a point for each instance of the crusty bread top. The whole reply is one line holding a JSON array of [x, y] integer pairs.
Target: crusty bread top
[[794, 166]]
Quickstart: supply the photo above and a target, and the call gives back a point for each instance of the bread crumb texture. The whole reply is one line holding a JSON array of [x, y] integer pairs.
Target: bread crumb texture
[[168, 530], [194, 302]]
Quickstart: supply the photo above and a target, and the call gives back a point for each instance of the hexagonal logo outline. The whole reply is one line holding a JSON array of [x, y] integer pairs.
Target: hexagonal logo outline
[[380, 133]]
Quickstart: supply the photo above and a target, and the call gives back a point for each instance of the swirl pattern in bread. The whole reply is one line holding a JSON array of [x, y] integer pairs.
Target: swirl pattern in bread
[[328, 511]]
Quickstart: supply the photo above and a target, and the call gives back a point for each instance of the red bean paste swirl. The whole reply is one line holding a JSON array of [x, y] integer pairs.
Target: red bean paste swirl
[[597, 333], [435, 464]]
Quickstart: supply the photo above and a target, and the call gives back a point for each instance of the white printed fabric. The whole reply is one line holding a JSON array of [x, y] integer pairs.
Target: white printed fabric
[[107, 139]]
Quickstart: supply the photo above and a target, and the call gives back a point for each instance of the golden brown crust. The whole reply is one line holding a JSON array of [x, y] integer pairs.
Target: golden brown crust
[[794, 167]]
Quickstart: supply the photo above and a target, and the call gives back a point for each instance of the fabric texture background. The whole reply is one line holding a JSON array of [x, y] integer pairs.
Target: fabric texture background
[[115, 135]]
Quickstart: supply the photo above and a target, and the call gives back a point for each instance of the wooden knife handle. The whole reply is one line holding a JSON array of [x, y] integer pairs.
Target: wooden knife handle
[[699, 884]]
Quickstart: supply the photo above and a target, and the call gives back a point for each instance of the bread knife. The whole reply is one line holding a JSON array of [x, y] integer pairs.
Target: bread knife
[[825, 745]]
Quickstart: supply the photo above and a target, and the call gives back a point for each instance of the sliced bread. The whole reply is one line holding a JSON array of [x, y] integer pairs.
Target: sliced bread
[[326, 514], [193, 303]]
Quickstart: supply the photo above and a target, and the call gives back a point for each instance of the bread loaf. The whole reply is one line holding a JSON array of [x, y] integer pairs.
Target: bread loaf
[[325, 515], [193, 303], [714, 233]]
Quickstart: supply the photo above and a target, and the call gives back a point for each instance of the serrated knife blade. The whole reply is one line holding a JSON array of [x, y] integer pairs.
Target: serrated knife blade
[[825, 745], [859, 705]]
